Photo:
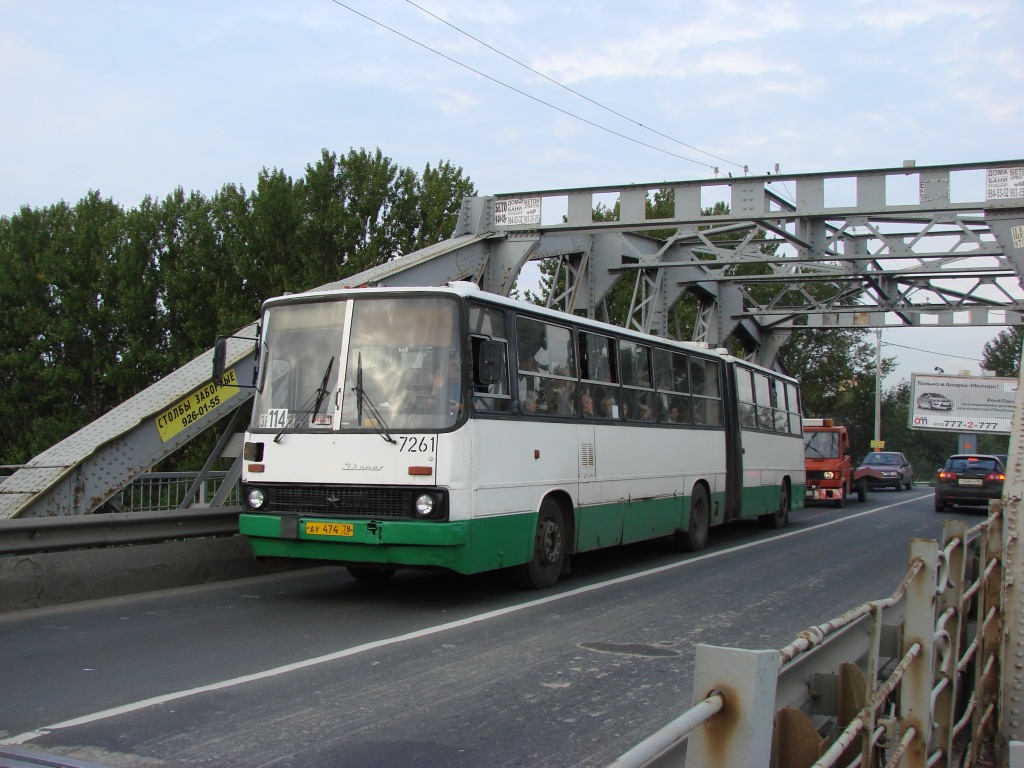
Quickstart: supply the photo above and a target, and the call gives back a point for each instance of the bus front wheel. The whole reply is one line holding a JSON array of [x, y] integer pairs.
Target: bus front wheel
[[779, 518], [695, 537], [544, 568]]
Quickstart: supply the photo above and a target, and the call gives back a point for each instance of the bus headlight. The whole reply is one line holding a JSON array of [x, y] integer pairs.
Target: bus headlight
[[425, 505], [829, 475], [256, 498]]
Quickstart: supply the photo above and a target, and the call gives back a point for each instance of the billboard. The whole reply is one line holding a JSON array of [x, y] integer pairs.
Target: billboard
[[962, 403]]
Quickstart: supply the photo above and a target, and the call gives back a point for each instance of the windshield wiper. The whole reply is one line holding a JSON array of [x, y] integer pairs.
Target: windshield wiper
[[318, 397], [362, 397], [321, 393]]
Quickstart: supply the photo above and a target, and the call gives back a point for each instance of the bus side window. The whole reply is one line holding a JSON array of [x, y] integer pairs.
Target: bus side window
[[793, 406], [745, 398], [779, 403], [599, 367], [490, 375], [762, 395], [704, 382]]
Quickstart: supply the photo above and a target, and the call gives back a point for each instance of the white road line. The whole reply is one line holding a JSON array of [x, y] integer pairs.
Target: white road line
[[285, 669]]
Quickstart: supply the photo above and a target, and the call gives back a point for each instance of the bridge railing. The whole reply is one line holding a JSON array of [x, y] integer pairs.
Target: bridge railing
[[901, 681], [156, 491], [156, 506], [164, 491]]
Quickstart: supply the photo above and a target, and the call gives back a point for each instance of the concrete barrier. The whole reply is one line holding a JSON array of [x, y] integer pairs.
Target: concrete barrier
[[54, 578]]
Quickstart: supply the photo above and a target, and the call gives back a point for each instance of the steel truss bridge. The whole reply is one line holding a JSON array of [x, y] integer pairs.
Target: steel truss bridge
[[758, 256]]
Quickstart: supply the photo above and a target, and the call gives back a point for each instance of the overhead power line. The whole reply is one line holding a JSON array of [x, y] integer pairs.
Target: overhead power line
[[570, 90], [520, 92], [932, 352]]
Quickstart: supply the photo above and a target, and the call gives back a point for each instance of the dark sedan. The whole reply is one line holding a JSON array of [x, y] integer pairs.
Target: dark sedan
[[970, 479], [887, 469]]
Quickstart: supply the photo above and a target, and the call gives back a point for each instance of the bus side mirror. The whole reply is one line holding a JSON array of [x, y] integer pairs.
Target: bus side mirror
[[489, 362], [220, 351]]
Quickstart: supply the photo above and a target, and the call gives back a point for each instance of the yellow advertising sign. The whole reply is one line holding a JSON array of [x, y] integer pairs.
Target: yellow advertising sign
[[880, 444], [195, 406]]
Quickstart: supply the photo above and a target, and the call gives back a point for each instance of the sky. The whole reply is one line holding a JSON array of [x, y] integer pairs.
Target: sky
[[138, 98]]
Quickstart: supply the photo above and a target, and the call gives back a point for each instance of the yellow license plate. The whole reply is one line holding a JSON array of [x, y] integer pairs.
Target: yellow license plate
[[330, 529]]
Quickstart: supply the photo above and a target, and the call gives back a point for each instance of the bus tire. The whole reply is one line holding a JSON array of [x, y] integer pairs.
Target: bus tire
[[370, 574], [695, 537], [779, 518], [549, 542]]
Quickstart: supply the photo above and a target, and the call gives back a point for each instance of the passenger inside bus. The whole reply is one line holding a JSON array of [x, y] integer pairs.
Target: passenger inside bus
[[646, 412], [587, 405], [609, 408], [527, 366], [447, 386]]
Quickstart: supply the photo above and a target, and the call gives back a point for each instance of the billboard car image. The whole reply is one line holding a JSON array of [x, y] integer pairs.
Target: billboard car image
[[933, 401]]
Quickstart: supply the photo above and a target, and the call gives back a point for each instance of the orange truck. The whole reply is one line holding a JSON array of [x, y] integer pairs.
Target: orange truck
[[828, 460]]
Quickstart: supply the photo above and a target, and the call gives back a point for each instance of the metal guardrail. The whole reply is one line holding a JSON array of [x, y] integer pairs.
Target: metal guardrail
[[33, 535], [154, 507], [894, 682]]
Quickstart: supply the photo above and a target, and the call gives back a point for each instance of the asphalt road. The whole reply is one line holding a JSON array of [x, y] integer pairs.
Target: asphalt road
[[316, 670]]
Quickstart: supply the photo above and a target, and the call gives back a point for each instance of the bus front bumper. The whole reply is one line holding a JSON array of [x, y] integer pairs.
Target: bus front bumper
[[459, 546]]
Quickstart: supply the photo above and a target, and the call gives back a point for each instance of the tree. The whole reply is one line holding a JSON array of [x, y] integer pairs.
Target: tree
[[836, 369], [100, 302], [24, 370], [1001, 355], [440, 193]]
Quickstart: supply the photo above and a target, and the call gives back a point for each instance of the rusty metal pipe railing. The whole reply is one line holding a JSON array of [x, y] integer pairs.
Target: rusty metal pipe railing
[[814, 636], [671, 735], [845, 739]]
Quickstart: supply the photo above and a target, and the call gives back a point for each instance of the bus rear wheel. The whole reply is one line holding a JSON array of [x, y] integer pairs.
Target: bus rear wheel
[[544, 568], [695, 537], [779, 518]]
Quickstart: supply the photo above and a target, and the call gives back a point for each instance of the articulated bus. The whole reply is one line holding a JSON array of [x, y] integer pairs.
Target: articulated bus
[[452, 428]]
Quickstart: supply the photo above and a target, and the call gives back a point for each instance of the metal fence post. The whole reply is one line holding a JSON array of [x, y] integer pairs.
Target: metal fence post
[[919, 630], [949, 632], [741, 734], [994, 727]]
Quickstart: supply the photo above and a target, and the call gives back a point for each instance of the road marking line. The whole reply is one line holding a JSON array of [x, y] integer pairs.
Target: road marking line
[[426, 632]]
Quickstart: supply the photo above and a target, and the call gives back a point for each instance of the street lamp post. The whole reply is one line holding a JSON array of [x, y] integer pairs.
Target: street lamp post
[[878, 389]]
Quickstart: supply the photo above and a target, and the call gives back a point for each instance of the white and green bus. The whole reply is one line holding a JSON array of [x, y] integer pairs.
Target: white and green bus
[[452, 428]]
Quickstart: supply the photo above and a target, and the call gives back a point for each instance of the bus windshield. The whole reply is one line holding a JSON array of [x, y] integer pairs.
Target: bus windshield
[[821, 445], [401, 363], [404, 358], [300, 358]]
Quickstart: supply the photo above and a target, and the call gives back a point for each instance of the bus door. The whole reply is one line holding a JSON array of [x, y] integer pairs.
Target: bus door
[[733, 451]]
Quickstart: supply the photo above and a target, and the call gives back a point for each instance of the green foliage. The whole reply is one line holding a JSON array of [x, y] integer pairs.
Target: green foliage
[[1001, 355], [836, 368], [101, 302]]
